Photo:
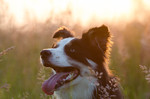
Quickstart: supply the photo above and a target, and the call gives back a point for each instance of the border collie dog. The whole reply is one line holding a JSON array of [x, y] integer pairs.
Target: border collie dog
[[80, 66]]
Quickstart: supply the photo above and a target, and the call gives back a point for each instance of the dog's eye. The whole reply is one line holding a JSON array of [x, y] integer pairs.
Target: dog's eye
[[72, 50]]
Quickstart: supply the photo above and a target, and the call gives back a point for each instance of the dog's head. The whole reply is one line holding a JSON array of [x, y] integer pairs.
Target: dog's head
[[73, 59]]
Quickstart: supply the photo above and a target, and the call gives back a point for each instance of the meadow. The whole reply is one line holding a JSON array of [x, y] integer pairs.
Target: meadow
[[21, 73]]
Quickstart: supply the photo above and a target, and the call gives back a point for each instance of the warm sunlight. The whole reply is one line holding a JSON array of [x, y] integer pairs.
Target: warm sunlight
[[147, 3], [104, 10], [24, 9], [74, 49], [83, 10]]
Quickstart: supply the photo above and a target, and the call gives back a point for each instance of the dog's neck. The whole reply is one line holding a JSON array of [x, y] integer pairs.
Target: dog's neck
[[83, 90]]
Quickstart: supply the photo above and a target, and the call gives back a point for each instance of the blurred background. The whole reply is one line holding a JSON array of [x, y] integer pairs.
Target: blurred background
[[27, 26]]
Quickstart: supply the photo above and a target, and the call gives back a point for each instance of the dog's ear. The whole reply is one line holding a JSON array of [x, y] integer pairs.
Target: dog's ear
[[99, 37], [62, 33]]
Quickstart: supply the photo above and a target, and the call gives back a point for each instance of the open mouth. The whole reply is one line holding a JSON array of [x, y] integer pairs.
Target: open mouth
[[63, 76]]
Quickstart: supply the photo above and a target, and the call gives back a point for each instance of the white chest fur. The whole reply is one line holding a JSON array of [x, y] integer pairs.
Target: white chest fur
[[83, 90]]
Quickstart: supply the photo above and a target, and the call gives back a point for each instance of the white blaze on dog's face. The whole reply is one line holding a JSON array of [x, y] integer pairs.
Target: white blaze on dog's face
[[58, 55]]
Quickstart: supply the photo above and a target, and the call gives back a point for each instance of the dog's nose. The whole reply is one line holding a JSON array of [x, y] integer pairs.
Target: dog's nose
[[45, 54]]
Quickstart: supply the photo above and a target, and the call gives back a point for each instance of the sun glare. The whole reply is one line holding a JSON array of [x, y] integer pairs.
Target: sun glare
[[22, 9], [105, 10], [147, 3], [82, 10]]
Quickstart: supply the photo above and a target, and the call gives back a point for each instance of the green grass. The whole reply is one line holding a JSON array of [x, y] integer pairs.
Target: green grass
[[20, 67]]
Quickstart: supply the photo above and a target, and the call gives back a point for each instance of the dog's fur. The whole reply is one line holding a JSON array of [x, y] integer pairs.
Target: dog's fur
[[90, 56]]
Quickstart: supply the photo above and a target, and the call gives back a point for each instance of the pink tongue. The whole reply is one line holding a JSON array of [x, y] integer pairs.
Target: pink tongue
[[49, 85]]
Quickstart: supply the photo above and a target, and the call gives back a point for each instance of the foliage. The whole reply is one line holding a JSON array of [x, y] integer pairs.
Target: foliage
[[22, 74]]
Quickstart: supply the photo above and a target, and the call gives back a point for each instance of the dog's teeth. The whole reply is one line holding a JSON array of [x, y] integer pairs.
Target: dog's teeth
[[69, 76]]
